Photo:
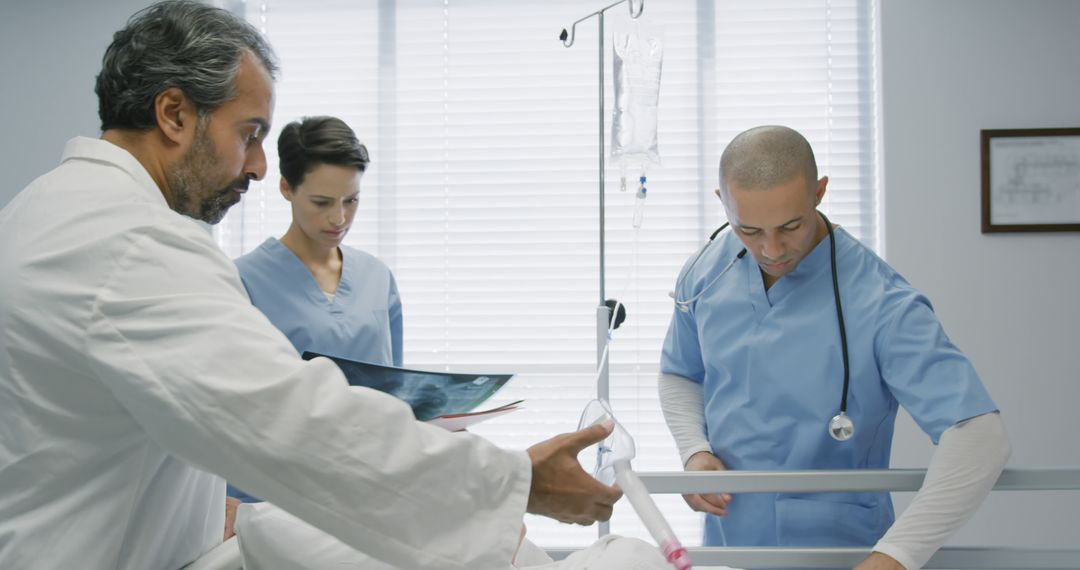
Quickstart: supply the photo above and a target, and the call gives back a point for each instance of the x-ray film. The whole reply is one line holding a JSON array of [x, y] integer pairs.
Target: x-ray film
[[431, 394]]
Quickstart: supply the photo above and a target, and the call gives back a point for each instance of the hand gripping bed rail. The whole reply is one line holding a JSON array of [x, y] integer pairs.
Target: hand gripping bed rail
[[956, 558]]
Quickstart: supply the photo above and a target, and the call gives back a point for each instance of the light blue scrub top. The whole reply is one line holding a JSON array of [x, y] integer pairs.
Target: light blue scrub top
[[772, 372], [363, 322]]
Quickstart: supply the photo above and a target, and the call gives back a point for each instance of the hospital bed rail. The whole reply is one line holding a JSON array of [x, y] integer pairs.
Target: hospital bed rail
[[227, 556], [818, 481]]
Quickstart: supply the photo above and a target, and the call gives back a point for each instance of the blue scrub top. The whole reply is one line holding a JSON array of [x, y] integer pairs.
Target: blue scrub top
[[772, 372], [363, 322]]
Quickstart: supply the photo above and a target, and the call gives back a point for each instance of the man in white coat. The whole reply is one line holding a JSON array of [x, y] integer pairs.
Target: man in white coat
[[135, 373]]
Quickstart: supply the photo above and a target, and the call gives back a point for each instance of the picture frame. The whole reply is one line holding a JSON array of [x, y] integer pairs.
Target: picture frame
[[1030, 180]]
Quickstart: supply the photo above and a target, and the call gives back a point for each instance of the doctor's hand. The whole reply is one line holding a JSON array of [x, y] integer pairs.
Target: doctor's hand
[[714, 503], [561, 489]]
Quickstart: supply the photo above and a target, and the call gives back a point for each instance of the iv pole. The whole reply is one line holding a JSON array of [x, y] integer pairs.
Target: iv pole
[[604, 310]]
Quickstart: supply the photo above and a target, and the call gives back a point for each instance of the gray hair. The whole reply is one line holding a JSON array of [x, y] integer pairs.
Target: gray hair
[[176, 43], [765, 157]]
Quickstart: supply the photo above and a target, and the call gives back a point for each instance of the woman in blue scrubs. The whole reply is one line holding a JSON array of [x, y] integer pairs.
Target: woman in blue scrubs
[[753, 369], [326, 297]]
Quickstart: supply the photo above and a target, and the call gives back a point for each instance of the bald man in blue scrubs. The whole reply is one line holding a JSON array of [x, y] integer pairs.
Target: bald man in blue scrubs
[[752, 371]]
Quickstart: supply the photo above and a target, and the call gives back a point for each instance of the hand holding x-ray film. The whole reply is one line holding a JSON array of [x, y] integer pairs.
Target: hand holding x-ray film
[[612, 464]]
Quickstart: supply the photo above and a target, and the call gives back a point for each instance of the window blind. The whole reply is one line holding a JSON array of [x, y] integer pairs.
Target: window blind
[[482, 195]]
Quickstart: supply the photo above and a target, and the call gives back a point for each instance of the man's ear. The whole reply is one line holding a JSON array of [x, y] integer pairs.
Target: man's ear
[[723, 203], [176, 116], [286, 190], [819, 193]]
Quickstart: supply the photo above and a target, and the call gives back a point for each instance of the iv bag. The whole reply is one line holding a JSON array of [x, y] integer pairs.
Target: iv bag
[[637, 65]]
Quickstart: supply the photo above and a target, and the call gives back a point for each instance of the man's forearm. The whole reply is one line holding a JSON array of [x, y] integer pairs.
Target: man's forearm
[[683, 403], [968, 460]]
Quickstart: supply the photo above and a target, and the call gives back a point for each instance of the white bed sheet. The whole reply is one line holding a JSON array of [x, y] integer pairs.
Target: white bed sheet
[[271, 539], [225, 556]]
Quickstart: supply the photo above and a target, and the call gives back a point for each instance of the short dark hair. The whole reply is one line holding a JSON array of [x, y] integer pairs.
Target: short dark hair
[[764, 157], [312, 141], [176, 43]]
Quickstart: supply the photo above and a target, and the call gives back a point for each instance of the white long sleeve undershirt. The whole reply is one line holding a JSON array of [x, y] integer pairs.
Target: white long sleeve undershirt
[[683, 402], [966, 464], [963, 469]]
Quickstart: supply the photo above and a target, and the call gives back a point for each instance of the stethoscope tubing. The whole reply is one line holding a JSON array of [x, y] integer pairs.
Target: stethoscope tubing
[[684, 305], [839, 316]]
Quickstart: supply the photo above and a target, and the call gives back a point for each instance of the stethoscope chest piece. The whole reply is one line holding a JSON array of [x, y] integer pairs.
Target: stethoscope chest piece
[[841, 428]]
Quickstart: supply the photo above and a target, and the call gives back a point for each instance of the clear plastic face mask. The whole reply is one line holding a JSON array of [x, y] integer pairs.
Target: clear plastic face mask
[[617, 447], [611, 464]]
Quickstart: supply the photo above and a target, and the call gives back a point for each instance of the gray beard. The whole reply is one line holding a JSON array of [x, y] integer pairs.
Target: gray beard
[[189, 186]]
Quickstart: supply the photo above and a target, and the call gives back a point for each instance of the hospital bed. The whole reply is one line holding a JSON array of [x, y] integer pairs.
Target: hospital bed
[[227, 555]]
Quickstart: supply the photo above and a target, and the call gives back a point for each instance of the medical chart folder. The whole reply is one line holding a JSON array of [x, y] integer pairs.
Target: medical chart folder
[[442, 398]]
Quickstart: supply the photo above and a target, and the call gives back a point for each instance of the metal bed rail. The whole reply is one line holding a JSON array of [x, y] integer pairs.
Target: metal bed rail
[[954, 558], [824, 481]]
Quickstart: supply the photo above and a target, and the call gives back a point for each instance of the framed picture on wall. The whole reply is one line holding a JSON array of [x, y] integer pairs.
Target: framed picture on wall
[[1030, 180]]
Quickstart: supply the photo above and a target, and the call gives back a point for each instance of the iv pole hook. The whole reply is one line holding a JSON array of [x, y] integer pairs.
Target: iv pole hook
[[605, 312], [568, 39]]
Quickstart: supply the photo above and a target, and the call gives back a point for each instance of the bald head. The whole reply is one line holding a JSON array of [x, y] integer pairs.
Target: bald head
[[765, 157]]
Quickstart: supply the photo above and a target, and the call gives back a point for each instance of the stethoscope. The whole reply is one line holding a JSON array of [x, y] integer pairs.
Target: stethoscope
[[841, 428]]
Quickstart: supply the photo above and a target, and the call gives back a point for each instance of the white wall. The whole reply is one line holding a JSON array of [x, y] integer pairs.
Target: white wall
[[1010, 301], [50, 52]]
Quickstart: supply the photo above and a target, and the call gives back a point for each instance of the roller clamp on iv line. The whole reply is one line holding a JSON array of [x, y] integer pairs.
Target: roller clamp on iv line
[[841, 427]]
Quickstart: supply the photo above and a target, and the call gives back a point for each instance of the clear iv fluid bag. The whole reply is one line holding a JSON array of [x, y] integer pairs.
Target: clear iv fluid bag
[[637, 64]]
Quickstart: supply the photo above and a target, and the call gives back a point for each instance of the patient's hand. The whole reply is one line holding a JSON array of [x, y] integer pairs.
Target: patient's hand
[[561, 489], [230, 516], [714, 503]]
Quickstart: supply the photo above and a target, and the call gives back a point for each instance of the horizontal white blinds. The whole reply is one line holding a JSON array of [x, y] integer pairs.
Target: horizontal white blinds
[[482, 195]]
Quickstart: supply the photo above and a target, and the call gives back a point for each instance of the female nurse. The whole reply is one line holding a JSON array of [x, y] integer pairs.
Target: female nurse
[[326, 297]]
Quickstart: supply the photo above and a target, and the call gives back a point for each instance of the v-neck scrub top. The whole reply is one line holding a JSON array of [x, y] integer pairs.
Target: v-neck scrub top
[[772, 373], [362, 322]]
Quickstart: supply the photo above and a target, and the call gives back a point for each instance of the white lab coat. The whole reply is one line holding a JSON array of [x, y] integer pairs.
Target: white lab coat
[[130, 358]]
